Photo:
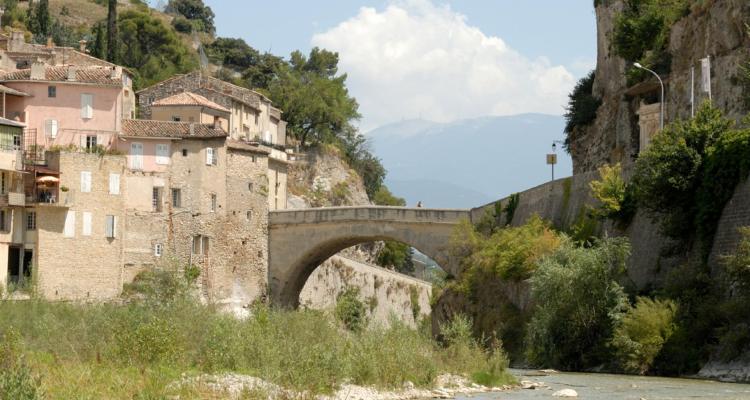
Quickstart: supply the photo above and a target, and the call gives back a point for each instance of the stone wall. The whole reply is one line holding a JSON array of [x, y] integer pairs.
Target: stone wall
[[386, 293], [82, 266]]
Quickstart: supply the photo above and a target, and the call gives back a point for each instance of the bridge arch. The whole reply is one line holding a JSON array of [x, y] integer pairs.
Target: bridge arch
[[300, 240]]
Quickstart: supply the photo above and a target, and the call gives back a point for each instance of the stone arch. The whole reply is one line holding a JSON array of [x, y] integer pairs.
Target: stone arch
[[299, 241]]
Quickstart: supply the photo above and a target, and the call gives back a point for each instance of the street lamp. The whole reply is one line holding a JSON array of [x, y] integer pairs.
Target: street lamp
[[661, 100]]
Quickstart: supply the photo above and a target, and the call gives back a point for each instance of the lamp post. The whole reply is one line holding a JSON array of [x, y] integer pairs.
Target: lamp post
[[552, 157], [661, 100]]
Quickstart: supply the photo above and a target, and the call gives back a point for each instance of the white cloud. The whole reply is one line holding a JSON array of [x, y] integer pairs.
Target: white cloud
[[419, 60]]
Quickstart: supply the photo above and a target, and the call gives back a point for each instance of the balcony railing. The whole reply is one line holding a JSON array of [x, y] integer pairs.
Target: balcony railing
[[12, 199]]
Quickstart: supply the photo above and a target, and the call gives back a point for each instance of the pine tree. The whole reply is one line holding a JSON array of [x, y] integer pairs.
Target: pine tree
[[43, 18], [112, 42]]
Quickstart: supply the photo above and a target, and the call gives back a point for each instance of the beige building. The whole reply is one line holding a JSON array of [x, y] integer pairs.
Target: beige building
[[15, 254]]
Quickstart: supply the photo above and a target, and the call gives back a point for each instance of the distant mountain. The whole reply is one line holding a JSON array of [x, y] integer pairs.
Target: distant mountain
[[470, 162]]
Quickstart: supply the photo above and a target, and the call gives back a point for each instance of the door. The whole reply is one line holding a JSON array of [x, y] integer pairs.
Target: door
[[136, 156]]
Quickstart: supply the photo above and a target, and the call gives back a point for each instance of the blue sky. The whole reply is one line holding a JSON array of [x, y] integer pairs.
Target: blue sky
[[437, 60]]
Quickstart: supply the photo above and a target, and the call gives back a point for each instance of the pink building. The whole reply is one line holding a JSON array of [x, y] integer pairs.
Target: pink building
[[69, 105]]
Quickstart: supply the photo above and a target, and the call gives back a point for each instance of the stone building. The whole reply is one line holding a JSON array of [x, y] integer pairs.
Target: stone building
[[252, 118], [15, 256]]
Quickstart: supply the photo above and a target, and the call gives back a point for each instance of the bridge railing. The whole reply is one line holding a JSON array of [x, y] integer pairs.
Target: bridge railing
[[367, 213]]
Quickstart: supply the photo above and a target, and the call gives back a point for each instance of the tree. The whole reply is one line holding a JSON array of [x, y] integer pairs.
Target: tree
[[43, 19], [316, 102], [194, 10], [112, 36], [98, 48]]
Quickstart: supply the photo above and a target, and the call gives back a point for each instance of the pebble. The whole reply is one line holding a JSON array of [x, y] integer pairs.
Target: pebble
[[565, 393]]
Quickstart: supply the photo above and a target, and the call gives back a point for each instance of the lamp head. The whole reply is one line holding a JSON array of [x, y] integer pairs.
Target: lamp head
[[637, 65]]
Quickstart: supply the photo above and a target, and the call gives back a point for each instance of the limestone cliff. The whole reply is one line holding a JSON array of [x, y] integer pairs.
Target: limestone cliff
[[716, 28]]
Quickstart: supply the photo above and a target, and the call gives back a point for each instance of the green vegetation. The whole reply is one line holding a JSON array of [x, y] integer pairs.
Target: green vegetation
[[641, 34], [350, 310], [135, 350], [581, 109], [414, 300], [193, 14], [615, 197], [734, 333], [689, 172], [578, 301], [394, 255], [642, 332]]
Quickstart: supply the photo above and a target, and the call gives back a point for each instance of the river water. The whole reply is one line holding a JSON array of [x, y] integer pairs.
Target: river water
[[620, 387]]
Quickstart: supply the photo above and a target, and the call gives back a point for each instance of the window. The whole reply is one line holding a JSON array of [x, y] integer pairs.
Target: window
[[50, 128], [87, 106], [175, 118], [16, 142], [51, 91], [69, 229], [249, 215], [3, 222], [211, 156], [176, 198], [136, 156], [213, 202], [110, 228], [158, 249], [156, 199], [114, 184], [86, 224], [162, 154], [250, 186], [31, 221], [184, 152], [2, 183], [200, 245], [85, 181], [90, 142]]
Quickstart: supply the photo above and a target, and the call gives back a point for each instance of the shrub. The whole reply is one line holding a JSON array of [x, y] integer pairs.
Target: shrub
[[578, 301], [414, 300], [397, 256], [614, 195], [350, 310], [642, 332], [582, 107], [16, 378], [734, 335]]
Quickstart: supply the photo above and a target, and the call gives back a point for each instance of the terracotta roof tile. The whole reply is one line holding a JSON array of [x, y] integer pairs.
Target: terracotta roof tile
[[189, 99], [168, 129], [93, 74]]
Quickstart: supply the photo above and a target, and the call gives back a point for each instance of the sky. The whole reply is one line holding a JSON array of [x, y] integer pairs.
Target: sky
[[439, 60]]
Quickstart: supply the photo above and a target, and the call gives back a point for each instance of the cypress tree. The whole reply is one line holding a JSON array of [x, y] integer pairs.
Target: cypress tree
[[112, 42], [99, 49], [43, 18]]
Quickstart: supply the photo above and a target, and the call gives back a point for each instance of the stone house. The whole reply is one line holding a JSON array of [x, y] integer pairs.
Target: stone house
[[252, 118], [15, 255]]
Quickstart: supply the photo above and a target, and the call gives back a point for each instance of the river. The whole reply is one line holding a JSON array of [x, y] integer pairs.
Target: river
[[620, 387]]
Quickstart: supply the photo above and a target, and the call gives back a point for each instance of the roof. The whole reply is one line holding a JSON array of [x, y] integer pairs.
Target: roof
[[169, 129], [8, 122], [92, 74], [209, 82], [189, 99], [8, 90], [240, 145]]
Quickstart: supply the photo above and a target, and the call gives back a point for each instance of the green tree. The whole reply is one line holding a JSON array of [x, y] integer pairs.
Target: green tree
[[581, 109], [98, 48], [384, 197], [578, 301], [152, 48], [316, 102], [642, 332], [194, 10], [43, 19], [113, 45]]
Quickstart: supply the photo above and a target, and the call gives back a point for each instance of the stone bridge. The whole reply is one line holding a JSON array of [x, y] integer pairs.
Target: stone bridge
[[300, 240]]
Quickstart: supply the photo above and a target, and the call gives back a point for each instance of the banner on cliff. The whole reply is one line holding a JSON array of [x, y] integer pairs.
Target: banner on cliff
[[706, 75]]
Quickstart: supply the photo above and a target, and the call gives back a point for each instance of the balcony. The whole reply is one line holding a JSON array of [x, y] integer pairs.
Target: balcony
[[15, 199]]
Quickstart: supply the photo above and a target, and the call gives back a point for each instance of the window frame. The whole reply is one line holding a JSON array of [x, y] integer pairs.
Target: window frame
[[162, 157], [52, 91], [86, 184], [31, 221], [87, 106], [176, 198]]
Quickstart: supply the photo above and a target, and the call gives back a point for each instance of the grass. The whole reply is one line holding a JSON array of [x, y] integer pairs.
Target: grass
[[134, 351]]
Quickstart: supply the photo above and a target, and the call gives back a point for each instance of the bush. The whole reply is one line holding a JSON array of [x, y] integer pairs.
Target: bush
[[396, 256], [350, 310], [16, 378], [614, 195], [582, 107], [689, 172], [578, 301], [642, 332]]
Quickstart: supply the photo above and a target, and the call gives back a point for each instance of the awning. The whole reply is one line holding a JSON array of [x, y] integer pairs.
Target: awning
[[47, 179]]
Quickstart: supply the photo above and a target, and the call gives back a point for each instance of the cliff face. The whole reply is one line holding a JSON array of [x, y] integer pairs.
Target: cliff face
[[716, 29]]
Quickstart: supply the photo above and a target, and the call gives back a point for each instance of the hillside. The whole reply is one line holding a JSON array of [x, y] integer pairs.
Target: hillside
[[469, 162]]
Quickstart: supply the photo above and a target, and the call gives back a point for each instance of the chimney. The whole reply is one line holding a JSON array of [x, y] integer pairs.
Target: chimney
[[50, 43], [116, 72], [82, 45], [17, 41], [72, 73], [38, 71]]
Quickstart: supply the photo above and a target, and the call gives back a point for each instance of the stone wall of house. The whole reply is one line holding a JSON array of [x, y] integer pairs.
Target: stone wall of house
[[82, 267], [386, 293]]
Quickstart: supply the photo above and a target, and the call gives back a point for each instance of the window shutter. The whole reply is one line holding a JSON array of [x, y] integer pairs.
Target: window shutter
[[82, 141], [111, 226], [209, 156], [162, 154], [86, 223], [114, 183], [100, 139], [50, 128], [87, 106], [70, 224], [85, 181], [214, 157]]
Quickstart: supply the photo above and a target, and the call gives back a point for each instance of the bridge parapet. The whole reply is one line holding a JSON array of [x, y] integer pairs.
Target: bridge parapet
[[367, 213]]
